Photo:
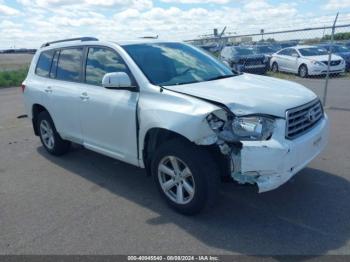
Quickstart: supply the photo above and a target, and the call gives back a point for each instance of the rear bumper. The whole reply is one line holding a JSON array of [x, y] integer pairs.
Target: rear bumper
[[271, 163]]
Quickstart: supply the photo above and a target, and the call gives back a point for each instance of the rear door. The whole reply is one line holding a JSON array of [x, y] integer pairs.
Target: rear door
[[40, 83], [108, 116], [65, 89]]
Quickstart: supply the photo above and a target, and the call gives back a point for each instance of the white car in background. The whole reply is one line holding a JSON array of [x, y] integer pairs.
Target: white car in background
[[306, 61]]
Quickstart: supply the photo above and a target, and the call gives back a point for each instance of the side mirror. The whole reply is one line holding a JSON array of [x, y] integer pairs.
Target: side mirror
[[117, 80]]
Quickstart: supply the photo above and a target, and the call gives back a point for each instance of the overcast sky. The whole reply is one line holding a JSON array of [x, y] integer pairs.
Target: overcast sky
[[28, 23]]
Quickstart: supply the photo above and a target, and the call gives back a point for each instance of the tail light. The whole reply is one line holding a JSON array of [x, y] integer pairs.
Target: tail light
[[23, 86]]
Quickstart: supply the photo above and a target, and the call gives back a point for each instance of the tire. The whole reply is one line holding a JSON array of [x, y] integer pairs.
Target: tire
[[274, 67], [303, 72], [203, 176], [51, 140]]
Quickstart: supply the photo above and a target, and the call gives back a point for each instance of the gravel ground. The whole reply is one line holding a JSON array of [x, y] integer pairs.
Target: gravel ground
[[85, 203]]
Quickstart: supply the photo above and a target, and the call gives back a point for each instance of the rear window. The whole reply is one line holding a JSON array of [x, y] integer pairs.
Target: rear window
[[69, 65], [44, 63]]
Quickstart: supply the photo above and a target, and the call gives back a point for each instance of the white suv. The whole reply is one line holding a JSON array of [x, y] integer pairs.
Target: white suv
[[176, 111]]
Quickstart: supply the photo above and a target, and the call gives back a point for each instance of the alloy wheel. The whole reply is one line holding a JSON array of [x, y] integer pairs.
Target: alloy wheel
[[47, 135], [176, 180]]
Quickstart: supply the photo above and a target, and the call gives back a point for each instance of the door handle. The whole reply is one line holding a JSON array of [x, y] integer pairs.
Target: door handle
[[84, 96], [48, 89]]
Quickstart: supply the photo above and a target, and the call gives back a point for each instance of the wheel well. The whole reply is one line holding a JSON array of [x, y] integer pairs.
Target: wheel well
[[301, 66], [37, 109], [156, 136]]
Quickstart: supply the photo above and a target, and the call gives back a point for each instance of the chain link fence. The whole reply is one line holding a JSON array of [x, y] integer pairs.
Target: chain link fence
[[317, 57]]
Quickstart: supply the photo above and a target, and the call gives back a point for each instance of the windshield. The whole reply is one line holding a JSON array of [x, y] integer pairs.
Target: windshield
[[311, 51], [340, 49], [242, 51], [168, 64], [337, 48], [265, 49]]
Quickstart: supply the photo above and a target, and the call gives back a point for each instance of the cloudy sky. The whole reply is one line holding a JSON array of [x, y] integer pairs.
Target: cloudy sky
[[28, 23]]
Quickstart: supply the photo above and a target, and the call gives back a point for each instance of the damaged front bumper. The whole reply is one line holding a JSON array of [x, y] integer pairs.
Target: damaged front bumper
[[271, 163]]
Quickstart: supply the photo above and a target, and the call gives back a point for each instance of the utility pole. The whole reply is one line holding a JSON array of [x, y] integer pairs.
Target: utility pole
[[329, 62]]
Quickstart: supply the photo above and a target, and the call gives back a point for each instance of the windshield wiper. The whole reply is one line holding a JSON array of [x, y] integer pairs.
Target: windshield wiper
[[220, 77]]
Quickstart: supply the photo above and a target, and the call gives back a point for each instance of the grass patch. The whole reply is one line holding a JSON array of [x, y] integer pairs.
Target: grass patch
[[287, 76], [281, 75], [12, 78]]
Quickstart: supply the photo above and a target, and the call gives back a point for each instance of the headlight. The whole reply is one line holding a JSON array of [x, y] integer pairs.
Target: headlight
[[253, 127], [317, 63]]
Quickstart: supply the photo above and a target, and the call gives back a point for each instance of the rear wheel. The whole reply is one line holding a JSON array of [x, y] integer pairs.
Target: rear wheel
[[49, 137], [303, 72], [274, 67], [186, 176]]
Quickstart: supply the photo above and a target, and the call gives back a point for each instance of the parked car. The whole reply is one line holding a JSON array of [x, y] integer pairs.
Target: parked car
[[243, 59], [176, 111], [341, 51], [288, 44], [211, 48], [306, 61], [266, 50]]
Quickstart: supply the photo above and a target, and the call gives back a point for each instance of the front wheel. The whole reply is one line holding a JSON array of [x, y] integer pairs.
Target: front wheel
[[274, 67], [186, 176], [303, 72]]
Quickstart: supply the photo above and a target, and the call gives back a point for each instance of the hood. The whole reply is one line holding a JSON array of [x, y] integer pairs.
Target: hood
[[251, 94], [344, 55], [322, 57]]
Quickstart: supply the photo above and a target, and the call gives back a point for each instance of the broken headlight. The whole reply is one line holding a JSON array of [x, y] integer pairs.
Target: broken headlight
[[253, 127]]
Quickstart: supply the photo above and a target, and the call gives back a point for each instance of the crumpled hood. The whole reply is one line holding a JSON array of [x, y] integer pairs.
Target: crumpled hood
[[251, 94]]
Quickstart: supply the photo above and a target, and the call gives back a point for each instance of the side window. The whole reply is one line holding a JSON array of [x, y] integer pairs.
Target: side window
[[100, 61], [54, 65], [284, 52], [293, 52], [70, 64], [44, 63]]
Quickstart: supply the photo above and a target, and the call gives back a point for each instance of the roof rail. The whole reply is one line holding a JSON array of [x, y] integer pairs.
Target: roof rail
[[83, 39], [149, 37]]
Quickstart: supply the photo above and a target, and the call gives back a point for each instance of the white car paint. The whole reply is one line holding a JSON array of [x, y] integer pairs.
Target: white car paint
[[315, 64], [104, 120]]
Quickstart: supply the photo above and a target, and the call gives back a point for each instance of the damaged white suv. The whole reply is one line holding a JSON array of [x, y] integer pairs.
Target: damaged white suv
[[176, 111]]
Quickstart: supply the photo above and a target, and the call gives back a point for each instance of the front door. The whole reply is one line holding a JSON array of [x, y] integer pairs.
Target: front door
[[108, 116]]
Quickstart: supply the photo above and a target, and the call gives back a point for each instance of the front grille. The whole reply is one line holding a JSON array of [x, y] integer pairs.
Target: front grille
[[301, 119], [250, 61], [333, 63]]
